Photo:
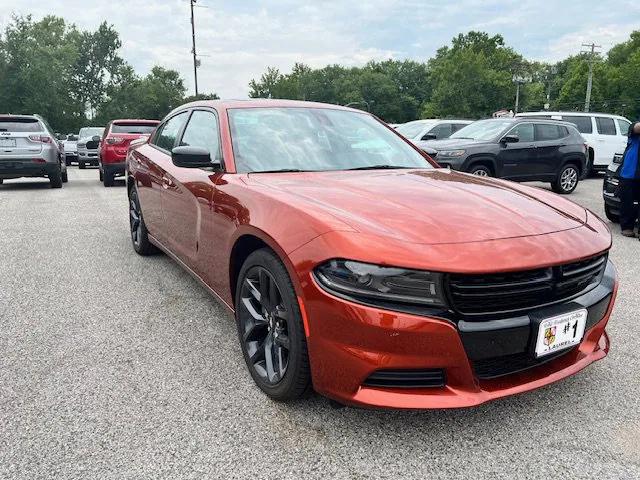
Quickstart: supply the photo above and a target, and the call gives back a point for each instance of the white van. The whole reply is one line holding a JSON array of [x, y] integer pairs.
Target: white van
[[605, 134]]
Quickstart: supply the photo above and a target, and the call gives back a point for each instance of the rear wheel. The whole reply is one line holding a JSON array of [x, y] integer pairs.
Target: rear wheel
[[64, 176], [107, 178], [610, 215], [139, 233], [55, 178], [100, 173], [567, 179], [480, 171], [270, 328]]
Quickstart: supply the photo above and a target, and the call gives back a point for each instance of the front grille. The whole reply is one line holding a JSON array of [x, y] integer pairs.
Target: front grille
[[489, 368], [91, 145], [426, 378], [512, 292]]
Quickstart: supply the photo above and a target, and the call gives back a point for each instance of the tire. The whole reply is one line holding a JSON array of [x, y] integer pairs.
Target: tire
[[64, 176], [481, 171], [1, 181], [81, 165], [100, 173], [55, 178], [137, 227], [67, 162], [567, 179], [271, 329], [610, 215], [107, 179]]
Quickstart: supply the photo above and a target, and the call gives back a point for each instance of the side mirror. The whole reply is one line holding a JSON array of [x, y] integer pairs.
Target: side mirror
[[510, 139], [96, 138], [430, 136], [191, 157]]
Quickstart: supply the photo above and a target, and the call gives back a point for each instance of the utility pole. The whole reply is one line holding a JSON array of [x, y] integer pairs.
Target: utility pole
[[519, 80], [592, 54], [193, 37]]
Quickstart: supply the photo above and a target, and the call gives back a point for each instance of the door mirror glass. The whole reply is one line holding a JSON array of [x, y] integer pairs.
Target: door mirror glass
[[510, 139], [191, 157]]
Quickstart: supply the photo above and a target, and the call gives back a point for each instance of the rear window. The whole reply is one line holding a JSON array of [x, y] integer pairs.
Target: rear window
[[605, 126], [132, 128], [583, 124], [20, 125], [545, 132]]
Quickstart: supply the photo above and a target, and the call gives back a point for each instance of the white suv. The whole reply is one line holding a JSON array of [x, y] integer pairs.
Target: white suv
[[430, 129], [604, 133]]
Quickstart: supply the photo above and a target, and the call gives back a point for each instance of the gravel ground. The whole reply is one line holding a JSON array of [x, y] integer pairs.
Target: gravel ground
[[117, 366]]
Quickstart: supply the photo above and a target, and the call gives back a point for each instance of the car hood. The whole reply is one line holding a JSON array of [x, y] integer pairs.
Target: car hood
[[427, 206], [449, 144]]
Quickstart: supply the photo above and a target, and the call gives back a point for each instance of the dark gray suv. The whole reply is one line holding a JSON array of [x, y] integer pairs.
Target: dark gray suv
[[520, 149], [29, 148]]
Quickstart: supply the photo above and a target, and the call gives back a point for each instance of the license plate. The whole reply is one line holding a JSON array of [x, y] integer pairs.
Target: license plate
[[7, 142], [558, 333]]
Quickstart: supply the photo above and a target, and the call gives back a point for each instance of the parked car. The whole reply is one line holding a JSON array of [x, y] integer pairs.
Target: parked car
[[519, 149], [29, 148], [339, 247], [115, 143], [605, 134], [87, 146], [70, 145], [610, 188], [432, 129]]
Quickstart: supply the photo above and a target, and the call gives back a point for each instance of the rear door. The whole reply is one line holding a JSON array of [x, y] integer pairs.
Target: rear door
[[187, 193], [14, 137], [518, 159], [150, 161], [607, 140], [549, 139]]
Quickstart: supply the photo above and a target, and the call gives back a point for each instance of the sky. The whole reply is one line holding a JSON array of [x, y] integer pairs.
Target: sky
[[239, 39]]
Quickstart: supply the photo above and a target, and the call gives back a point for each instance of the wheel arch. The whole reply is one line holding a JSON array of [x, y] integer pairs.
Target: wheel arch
[[481, 159]]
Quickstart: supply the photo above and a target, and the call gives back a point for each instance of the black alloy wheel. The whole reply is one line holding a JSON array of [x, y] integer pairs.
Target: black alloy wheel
[[139, 233], [270, 327]]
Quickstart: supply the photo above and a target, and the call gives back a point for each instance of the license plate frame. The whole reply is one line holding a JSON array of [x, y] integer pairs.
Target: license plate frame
[[7, 143], [560, 332]]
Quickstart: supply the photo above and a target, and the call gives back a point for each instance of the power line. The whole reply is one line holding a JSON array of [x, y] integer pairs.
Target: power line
[[592, 55]]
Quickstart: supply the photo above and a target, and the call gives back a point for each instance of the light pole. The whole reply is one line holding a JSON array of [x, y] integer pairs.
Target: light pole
[[193, 50], [552, 71], [592, 53], [518, 80]]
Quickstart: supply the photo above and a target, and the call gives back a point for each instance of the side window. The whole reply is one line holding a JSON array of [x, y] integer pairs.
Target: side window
[[202, 131], [583, 123], [546, 132], [167, 133], [624, 126], [441, 131], [458, 126], [605, 126], [523, 131]]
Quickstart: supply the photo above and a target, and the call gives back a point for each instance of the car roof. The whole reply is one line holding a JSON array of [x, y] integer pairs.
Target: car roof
[[134, 120], [263, 103], [569, 113], [20, 117]]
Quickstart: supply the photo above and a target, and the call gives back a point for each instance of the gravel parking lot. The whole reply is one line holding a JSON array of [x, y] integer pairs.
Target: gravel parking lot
[[117, 366]]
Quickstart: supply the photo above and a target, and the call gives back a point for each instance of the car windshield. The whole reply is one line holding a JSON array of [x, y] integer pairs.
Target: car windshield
[[412, 129], [133, 128], [90, 132], [483, 129], [315, 139]]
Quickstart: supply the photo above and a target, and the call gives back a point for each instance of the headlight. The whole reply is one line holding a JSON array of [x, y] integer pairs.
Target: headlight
[[364, 281], [450, 153]]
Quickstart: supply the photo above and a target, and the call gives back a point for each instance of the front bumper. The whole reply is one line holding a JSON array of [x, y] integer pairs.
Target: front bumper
[[17, 168], [90, 157], [348, 342]]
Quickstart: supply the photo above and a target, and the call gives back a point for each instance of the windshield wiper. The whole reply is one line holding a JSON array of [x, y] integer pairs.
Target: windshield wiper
[[379, 167], [281, 170]]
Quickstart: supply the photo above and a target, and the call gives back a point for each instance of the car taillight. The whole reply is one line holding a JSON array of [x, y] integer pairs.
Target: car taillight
[[114, 140], [40, 138]]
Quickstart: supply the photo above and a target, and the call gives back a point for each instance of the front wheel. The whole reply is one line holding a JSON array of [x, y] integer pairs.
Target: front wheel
[[270, 328], [480, 171], [107, 178], [567, 180]]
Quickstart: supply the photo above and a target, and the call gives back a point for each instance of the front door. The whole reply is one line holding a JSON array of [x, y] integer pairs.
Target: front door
[[518, 159]]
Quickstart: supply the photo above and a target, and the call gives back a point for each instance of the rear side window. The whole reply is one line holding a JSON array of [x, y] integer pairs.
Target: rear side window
[[132, 128], [524, 132], [583, 124], [624, 126], [605, 126], [20, 125], [547, 132], [166, 136], [202, 131]]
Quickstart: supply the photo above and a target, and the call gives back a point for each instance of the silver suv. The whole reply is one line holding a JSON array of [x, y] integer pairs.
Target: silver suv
[[87, 147], [29, 148]]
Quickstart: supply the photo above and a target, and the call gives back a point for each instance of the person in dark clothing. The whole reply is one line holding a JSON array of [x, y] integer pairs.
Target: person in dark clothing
[[629, 189]]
